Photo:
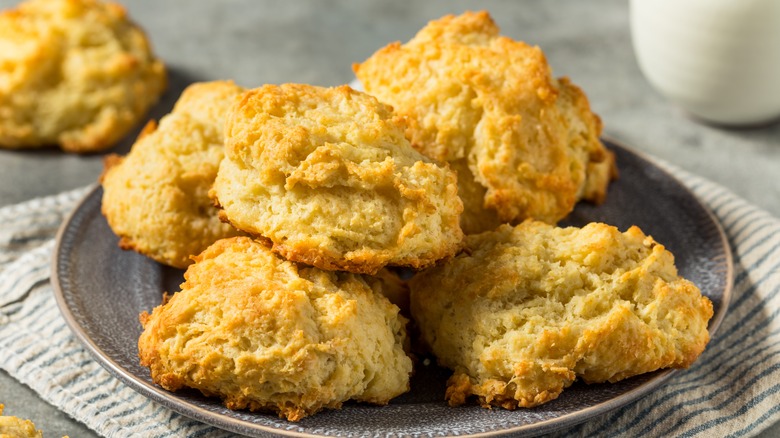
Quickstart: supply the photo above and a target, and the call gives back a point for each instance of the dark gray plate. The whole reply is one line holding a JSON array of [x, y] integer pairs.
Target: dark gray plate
[[101, 290]]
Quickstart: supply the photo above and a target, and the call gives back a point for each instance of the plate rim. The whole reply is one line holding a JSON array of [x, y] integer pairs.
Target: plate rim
[[716, 321], [232, 424]]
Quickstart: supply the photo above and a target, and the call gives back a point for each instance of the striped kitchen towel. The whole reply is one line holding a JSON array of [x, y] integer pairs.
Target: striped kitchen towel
[[732, 390]]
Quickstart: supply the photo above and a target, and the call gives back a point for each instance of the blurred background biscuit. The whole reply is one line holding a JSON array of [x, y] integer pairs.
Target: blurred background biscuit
[[156, 198], [328, 178], [524, 143], [264, 333], [14, 427], [524, 311], [77, 74]]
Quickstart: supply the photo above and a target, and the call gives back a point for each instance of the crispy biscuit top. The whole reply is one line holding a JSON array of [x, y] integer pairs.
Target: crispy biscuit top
[[277, 128], [14, 427]]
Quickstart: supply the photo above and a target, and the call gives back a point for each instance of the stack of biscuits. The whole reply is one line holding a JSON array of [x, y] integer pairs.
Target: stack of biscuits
[[286, 204]]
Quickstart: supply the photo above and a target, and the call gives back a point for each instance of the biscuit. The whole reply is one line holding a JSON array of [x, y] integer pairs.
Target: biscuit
[[14, 427], [267, 334], [73, 73], [523, 142], [328, 178], [524, 311], [156, 198]]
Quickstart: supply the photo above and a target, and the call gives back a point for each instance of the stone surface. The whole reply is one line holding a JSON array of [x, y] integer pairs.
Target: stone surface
[[256, 42]]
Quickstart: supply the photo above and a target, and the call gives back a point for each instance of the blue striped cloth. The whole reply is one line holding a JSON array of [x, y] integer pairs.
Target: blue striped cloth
[[732, 390]]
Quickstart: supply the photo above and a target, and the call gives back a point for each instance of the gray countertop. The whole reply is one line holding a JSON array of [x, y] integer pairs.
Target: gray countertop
[[313, 41]]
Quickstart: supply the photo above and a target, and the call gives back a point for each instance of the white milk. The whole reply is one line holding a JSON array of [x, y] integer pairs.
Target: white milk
[[717, 59]]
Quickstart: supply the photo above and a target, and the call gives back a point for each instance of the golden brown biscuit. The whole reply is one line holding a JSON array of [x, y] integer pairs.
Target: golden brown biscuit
[[264, 333], [522, 142], [156, 198], [13, 427], [327, 176], [526, 310], [73, 73]]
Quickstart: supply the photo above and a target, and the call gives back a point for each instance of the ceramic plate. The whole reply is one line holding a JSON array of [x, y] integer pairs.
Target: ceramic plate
[[101, 290]]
